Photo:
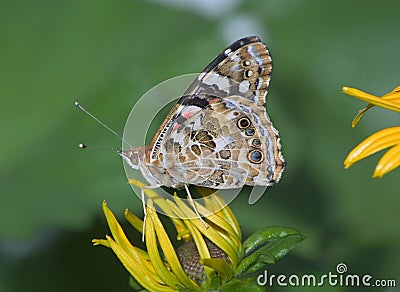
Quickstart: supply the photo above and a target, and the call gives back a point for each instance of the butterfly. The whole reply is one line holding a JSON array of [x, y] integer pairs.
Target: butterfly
[[218, 135]]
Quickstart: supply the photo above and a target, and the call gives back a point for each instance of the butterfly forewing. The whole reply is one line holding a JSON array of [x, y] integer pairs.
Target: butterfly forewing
[[244, 67]]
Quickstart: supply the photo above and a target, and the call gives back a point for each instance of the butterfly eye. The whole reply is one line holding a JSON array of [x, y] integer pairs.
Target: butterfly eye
[[250, 132], [246, 63], [255, 156], [243, 123], [248, 73], [256, 143]]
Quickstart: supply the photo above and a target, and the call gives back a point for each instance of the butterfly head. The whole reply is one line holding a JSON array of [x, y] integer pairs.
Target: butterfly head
[[133, 156]]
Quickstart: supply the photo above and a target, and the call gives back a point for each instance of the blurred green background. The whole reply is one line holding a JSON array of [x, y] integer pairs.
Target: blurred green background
[[107, 54]]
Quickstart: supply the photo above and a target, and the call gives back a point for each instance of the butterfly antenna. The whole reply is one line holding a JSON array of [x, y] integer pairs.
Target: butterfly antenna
[[83, 146], [78, 105]]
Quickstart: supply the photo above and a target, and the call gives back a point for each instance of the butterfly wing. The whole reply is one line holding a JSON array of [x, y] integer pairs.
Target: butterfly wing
[[226, 145], [205, 150], [246, 63], [244, 67]]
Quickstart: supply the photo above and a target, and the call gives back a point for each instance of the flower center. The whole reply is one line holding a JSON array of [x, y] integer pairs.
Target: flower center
[[189, 257]]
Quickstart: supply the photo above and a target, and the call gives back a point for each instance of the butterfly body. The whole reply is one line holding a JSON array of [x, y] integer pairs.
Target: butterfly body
[[218, 134]]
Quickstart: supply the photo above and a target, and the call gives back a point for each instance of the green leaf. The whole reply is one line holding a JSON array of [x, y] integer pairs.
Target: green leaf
[[280, 247], [253, 262], [266, 247], [263, 236]]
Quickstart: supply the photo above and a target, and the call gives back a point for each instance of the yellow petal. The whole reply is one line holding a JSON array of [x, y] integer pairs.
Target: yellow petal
[[139, 255], [374, 143], [396, 90], [135, 221], [228, 215], [196, 235], [225, 271], [185, 235], [160, 201], [394, 96], [169, 251], [201, 246], [151, 194], [385, 103], [135, 268], [227, 246], [389, 161], [359, 115], [103, 242], [152, 248], [218, 221]]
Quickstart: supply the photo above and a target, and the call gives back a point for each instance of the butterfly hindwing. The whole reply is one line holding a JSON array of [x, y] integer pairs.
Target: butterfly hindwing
[[226, 145]]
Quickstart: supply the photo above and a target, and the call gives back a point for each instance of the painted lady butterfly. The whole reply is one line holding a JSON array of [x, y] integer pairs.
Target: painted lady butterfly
[[218, 135]]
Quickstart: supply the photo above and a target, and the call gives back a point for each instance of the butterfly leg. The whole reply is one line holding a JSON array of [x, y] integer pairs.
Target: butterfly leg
[[144, 212], [142, 194], [194, 206]]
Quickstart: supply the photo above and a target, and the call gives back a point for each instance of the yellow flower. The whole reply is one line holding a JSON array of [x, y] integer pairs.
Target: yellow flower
[[211, 257], [387, 138], [204, 253]]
